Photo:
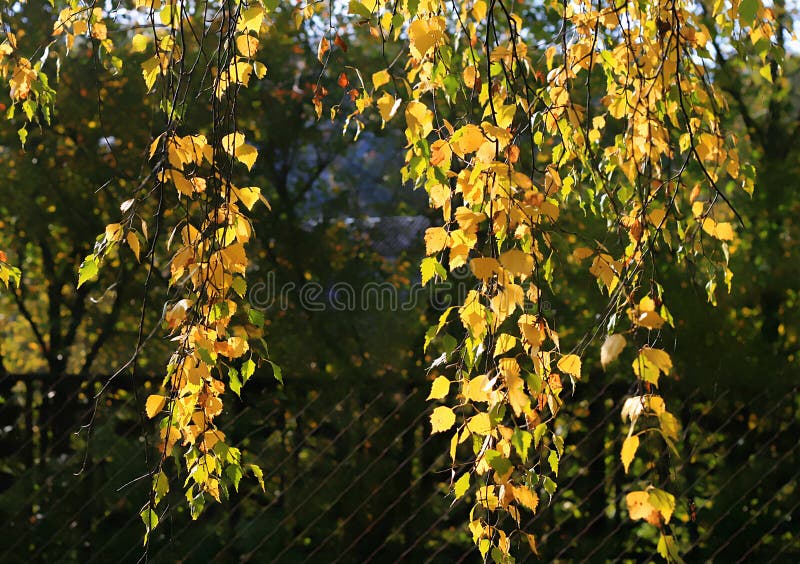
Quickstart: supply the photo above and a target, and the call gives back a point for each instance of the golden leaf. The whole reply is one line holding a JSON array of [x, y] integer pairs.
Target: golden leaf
[[570, 364], [526, 497], [442, 419], [247, 154], [435, 240], [250, 19], [248, 196], [629, 448], [133, 243], [504, 343], [480, 424], [154, 404], [478, 389], [484, 268], [517, 262], [439, 388], [387, 106], [639, 507], [380, 78], [419, 119], [658, 357], [424, 35]]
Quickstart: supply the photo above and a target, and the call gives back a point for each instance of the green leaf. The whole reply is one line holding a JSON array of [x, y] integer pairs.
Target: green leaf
[[150, 520], [552, 459], [88, 270], [462, 485], [256, 317], [521, 441], [206, 356], [276, 372], [160, 486], [248, 368], [498, 462], [430, 267], [668, 549], [360, 9], [549, 485], [538, 433], [258, 473], [239, 286], [748, 9], [29, 107], [234, 474], [234, 383]]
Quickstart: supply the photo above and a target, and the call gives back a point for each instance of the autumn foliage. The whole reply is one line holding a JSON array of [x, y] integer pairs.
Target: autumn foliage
[[520, 121]]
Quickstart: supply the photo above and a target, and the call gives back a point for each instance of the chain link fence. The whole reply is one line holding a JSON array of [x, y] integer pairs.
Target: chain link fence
[[353, 475]]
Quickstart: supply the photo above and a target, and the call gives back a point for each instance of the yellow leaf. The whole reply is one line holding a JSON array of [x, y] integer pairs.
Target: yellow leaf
[[663, 502], [505, 343], [442, 419], [247, 154], [657, 405], [232, 141], [570, 364], [380, 78], [439, 388], [428, 269], [582, 253], [150, 70], [629, 448], [139, 43], [520, 401], [484, 268], [260, 69], [650, 320], [133, 243], [670, 425], [424, 35], [639, 507], [387, 106], [660, 358], [724, 231], [323, 47], [182, 184], [154, 404], [530, 331], [113, 232], [419, 119], [612, 347], [470, 75], [480, 424], [248, 196], [468, 139], [650, 363], [435, 240], [250, 19], [526, 497], [478, 389], [517, 262], [647, 304], [247, 45]]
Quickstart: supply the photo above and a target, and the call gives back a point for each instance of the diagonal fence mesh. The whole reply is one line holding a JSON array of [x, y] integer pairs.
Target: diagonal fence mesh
[[353, 475]]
